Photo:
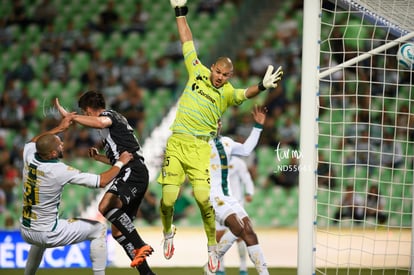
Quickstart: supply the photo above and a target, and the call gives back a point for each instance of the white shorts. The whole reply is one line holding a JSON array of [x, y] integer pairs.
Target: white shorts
[[224, 206], [220, 227], [66, 232]]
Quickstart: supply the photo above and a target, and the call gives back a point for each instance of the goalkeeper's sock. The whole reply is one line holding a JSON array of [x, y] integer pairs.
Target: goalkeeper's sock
[[124, 224], [201, 195], [129, 249], [169, 197], [257, 258]]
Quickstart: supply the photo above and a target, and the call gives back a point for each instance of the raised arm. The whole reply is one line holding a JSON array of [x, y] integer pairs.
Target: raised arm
[[181, 10], [259, 114], [245, 149], [98, 122], [89, 121], [270, 80], [63, 125]]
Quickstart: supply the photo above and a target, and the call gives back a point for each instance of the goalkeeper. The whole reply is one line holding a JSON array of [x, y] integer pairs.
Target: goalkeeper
[[206, 96]]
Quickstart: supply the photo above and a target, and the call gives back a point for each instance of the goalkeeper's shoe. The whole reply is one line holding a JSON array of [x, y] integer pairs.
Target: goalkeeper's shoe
[[213, 259], [169, 243], [140, 255]]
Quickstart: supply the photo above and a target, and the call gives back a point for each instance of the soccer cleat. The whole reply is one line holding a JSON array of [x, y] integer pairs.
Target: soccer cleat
[[168, 243], [207, 271], [213, 261], [140, 255]]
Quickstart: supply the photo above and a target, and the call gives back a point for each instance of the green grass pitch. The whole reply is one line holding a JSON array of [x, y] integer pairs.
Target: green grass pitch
[[130, 271], [193, 271]]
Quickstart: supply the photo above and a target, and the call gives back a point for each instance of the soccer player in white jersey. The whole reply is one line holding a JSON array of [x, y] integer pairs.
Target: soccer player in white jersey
[[242, 188], [44, 177], [228, 210]]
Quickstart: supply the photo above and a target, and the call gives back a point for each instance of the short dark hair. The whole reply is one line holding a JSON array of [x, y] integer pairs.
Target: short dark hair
[[92, 99], [45, 145]]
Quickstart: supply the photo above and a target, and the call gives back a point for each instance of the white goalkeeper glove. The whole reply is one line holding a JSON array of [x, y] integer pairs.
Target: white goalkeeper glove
[[271, 78], [179, 7], [178, 3]]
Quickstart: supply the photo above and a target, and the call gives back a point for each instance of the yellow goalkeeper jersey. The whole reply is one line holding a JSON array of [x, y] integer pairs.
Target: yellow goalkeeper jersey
[[201, 104]]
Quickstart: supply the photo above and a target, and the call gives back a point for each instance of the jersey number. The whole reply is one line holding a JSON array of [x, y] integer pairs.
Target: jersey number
[[30, 195]]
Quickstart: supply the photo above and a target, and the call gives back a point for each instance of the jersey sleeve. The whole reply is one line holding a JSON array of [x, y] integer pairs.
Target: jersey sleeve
[[74, 176], [86, 179], [237, 97], [29, 151], [245, 149], [107, 114], [190, 56]]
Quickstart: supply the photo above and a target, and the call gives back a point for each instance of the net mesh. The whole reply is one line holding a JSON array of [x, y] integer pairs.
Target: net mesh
[[384, 12]]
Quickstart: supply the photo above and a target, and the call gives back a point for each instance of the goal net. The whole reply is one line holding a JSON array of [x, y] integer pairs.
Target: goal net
[[363, 148]]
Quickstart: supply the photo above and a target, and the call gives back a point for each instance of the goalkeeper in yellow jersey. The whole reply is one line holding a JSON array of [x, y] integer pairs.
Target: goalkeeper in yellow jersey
[[206, 96]]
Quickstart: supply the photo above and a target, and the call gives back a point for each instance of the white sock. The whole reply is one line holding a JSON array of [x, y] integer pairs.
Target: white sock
[[34, 259], [257, 258], [98, 252], [222, 268], [225, 243], [241, 247]]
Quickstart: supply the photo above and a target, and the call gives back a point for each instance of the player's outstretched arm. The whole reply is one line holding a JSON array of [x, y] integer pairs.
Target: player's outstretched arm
[[61, 110], [63, 125], [245, 149], [181, 11], [270, 80], [89, 121], [109, 175]]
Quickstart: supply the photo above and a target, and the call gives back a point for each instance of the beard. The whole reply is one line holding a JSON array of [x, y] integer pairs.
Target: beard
[[60, 155]]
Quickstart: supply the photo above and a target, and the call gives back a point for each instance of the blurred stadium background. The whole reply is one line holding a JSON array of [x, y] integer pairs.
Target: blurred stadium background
[[67, 51], [233, 28]]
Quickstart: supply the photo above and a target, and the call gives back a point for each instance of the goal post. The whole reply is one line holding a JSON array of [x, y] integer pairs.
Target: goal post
[[357, 136], [308, 115]]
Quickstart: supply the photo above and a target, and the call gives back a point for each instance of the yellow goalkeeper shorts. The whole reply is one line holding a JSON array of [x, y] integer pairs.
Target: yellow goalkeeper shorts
[[186, 155]]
